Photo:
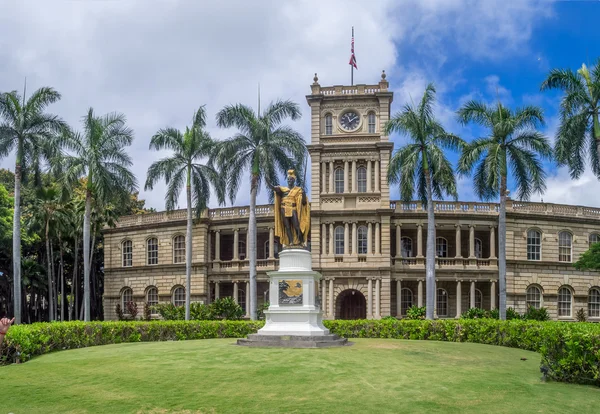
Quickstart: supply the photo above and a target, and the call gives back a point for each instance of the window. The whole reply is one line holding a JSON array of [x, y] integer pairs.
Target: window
[[361, 179], [534, 245], [152, 298], [242, 250], [478, 299], [441, 247], [362, 240], [242, 299], [534, 297], [179, 249], [275, 249], [407, 300], [406, 245], [594, 238], [442, 302], [339, 180], [126, 297], [127, 253], [564, 246], [328, 124], [339, 240], [152, 251], [371, 123], [179, 296], [478, 249], [594, 303], [564, 302]]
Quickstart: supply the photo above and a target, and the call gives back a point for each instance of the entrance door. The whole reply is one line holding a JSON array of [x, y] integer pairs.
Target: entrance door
[[353, 305]]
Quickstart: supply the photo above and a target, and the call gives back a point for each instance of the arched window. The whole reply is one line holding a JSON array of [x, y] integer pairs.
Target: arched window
[[339, 240], [275, 249], [152, 298], [406, 246], [407, 300], [534, 297], [441, 247], [362, 240], [361, 179], [126, 297], [179, 296], [339, 180], [371, 123], [179, 249], [242, 250], [442, 302], [478, 249], [242, 299], [534, 245], [152, 250], [564, 301], [594, 303], [478, 299], [328, 124], [594, 238], [127, 253], [564, 246]]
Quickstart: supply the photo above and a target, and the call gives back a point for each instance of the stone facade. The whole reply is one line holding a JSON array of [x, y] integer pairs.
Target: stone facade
[[370, 250]]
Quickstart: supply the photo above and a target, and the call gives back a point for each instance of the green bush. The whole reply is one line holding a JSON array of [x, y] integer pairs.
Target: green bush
[[534, 314], [580, 315], [475, 313], [226, 308], [220, 309], [260, 312], [415, 312], [512, 314]]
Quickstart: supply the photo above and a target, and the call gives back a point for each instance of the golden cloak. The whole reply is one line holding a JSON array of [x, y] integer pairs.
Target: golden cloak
[[303, 211]]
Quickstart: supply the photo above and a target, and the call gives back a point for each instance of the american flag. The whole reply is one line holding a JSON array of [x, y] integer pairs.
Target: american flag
[[352, 56]]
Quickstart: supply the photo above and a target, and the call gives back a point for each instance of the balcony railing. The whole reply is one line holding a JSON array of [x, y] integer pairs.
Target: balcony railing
[[452, 263], [243, 265]]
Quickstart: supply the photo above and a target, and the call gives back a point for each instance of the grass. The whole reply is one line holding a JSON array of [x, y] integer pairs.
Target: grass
[[213, 375]]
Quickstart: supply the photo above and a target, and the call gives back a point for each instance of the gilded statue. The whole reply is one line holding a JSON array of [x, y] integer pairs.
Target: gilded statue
[[292, 214]]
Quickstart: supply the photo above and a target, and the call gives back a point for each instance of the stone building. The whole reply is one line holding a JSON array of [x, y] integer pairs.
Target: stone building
[[369, 249]]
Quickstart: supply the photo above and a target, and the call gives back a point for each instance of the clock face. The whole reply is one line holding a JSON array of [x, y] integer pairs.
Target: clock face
[[349, 120]]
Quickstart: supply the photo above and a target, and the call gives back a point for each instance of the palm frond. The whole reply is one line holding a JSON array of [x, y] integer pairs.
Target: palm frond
[[476, 112], [279, 111], [199, 119], [564, 79]]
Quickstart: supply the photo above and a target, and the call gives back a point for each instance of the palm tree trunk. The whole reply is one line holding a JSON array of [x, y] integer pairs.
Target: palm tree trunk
[[54, 284], [252, 247], [430, 254], [502, 249], [17, 240], [62, 281], [188, 250], [75, 284], [49, 274], [86, 255]]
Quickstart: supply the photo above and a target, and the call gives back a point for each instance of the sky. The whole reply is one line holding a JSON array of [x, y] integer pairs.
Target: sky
[[157, 61]]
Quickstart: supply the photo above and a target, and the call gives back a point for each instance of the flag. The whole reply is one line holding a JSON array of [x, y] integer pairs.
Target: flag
[[352, 56]]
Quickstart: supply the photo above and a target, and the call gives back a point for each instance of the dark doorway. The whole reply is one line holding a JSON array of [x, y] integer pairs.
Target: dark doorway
[[352, 305]]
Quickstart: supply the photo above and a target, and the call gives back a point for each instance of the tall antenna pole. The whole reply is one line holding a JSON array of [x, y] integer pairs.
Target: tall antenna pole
[[352, 66]]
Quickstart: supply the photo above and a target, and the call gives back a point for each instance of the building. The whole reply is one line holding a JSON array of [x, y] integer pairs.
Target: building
[[369, 249]]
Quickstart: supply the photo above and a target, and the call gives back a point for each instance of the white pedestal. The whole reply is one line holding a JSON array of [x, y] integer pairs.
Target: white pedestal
[[292, 309]]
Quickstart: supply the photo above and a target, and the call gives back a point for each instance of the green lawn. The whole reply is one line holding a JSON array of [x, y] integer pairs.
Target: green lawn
[[213, 375]]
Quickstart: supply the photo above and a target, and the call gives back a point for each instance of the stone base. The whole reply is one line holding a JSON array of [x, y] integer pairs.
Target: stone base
[[293, 341]]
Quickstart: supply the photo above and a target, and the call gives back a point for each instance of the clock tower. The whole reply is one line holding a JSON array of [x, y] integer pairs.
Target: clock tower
[[350, 198]]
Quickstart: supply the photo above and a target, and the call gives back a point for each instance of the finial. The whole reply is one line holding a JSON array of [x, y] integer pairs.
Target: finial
[[383, 75], [316, 79]]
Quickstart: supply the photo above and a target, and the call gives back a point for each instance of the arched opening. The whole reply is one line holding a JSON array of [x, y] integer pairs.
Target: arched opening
[[352, 305]]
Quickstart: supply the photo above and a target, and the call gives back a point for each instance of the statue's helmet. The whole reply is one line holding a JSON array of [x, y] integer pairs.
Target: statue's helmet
[[291, 174]]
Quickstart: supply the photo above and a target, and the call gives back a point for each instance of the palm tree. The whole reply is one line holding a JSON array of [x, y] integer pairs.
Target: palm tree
[[423, 164], [185, 166], [28, 130], [99, 156], [579, 110], [264, 148], [513, 145]]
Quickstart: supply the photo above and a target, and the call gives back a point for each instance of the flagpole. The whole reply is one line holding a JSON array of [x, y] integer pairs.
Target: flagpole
[[352, 66]]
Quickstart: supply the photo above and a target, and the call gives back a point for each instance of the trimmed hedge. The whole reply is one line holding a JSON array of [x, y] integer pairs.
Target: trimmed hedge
[[570, 351]]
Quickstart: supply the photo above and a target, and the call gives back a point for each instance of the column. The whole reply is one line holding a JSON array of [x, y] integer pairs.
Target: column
[[369, 298], [458, 300], [492, 242], [331, 189], [369, 237], [354, 239], [458, 241], [369, 176], [377, 239], [236, 243], [493, 295], [235, 292], [398, 298], [346, 238], [331, 313], [420, 294], [331, 243], [346, 177], [247, 299], [398, 240], [271, 243], [472, 298], [209, 250], [377, 298], [217, 290], [324, 297], [377, 176], [354, 185], [471, 241], [218, 245], [419, 240], [323, 177], [247, 244], [324, 239]]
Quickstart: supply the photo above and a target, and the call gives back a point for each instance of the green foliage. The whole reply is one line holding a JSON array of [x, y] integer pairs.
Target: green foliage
[[389, 317], [119, 312], [260, 312], [475, 313], [170, 312], [534, 314], [580, 315], [415, 312], [512, 314], [147, 312], [226, 308], [590, 259], [220, 309]]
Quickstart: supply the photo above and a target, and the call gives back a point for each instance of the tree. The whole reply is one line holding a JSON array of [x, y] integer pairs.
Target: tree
[[98, 154], [423, 164], [185, 167], [579, 110], [512, 146], [25, 128], [264, 148], [590, 260]]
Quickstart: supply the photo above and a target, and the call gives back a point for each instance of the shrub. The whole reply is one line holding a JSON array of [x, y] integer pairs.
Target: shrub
[[170, 312], [224, 308], [512, 314], [475, 313], [494, 314], [132, 309], [534, 314], [415, 312], [119, 312], [580, 315], [260, 312]]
